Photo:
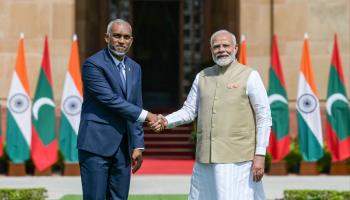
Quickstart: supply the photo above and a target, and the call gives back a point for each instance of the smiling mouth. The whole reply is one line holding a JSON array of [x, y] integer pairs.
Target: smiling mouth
[[222, 56]]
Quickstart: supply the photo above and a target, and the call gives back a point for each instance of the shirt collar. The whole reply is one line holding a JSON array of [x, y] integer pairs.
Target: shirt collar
[[116, 61]]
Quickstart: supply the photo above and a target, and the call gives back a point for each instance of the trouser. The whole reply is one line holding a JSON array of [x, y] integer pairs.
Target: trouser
[[232, 181], [105, 178]]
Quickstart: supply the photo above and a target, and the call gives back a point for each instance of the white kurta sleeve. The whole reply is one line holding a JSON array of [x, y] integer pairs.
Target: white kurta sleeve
[[260, 103], [188, 112]]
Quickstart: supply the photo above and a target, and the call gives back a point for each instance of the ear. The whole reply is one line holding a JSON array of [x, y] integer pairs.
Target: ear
[[132, 39], [235, 50], [106, 37]]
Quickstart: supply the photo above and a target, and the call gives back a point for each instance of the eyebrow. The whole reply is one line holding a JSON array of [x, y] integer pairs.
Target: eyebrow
[[223, 44]]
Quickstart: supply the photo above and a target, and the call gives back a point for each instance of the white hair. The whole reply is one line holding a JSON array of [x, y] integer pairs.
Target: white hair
[[117, 21], [222, 31]]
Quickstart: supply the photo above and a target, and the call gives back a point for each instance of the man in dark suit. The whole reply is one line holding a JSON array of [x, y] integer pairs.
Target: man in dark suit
[[111, 138]]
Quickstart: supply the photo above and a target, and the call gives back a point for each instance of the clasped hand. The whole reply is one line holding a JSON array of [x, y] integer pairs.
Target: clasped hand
[[156, 122]]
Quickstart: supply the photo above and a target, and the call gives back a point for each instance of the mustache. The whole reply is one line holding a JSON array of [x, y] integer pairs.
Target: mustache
[[117, 52], [222, 56], [118, 46], [223, 60]]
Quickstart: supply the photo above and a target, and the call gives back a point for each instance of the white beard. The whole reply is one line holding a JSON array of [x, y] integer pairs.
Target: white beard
[[117, 53], [224, 61]]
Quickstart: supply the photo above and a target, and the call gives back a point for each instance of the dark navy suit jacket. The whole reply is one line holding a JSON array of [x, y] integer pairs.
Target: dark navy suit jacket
[[109, 113]]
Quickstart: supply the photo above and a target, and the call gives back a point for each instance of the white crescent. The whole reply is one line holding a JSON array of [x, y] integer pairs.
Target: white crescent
[[332, 99], [277, 97], [40, 102]]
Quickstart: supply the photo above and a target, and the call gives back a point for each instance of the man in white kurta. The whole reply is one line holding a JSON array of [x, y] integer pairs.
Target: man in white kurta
[[234, 122]]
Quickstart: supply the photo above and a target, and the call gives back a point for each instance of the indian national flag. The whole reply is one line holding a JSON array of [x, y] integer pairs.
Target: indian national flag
[[71, 106], [18, 134], [243, 51], [44, 141], [338, 113], [279, 137], [308, 110]]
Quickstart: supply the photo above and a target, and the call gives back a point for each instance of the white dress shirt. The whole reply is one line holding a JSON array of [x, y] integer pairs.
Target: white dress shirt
[[256, 92], [143, 114]]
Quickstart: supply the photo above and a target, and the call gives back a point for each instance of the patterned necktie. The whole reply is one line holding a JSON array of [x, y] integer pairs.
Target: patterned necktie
[[122, 76]]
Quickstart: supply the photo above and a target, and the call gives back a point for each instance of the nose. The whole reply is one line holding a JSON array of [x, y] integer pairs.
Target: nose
[[222, 48], [121, 40]]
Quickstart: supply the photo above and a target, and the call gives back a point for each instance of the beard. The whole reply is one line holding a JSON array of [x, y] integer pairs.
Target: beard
[[116, 52], [225, 61]]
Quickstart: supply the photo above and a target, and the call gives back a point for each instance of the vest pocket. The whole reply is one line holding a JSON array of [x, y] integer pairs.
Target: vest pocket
[[243, 135]]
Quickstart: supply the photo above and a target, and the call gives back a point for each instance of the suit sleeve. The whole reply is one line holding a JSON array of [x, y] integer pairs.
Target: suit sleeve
[[138, 134], [96, 84]]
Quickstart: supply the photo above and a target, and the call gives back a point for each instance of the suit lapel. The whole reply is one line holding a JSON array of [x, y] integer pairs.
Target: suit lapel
[[115, 72], [129, 77]]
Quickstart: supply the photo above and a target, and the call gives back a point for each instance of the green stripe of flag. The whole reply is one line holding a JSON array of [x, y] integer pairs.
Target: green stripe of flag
[[68, 140], [309, 146], [46, 122], [275, 85], [18, 151]]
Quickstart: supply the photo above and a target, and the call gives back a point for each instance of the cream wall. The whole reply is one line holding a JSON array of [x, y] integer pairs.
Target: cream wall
[[291, 18], [36, 18]]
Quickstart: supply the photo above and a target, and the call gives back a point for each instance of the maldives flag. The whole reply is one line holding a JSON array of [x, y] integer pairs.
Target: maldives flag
[[44, 141], [18, 134], [243, 51], [71, 106], [338, 113], [279, 137], [308, 110]]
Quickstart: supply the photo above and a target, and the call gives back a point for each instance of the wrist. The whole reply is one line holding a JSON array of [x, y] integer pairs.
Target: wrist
[[260, 156], [149, 116]]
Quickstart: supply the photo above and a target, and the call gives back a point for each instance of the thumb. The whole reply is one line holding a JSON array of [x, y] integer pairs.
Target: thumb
[[133, 162]]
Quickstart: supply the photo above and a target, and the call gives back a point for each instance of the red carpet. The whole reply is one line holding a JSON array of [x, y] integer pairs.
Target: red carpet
[[169, 167]]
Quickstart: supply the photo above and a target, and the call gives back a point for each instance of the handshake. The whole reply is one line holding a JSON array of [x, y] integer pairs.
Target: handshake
[[156, 122]]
